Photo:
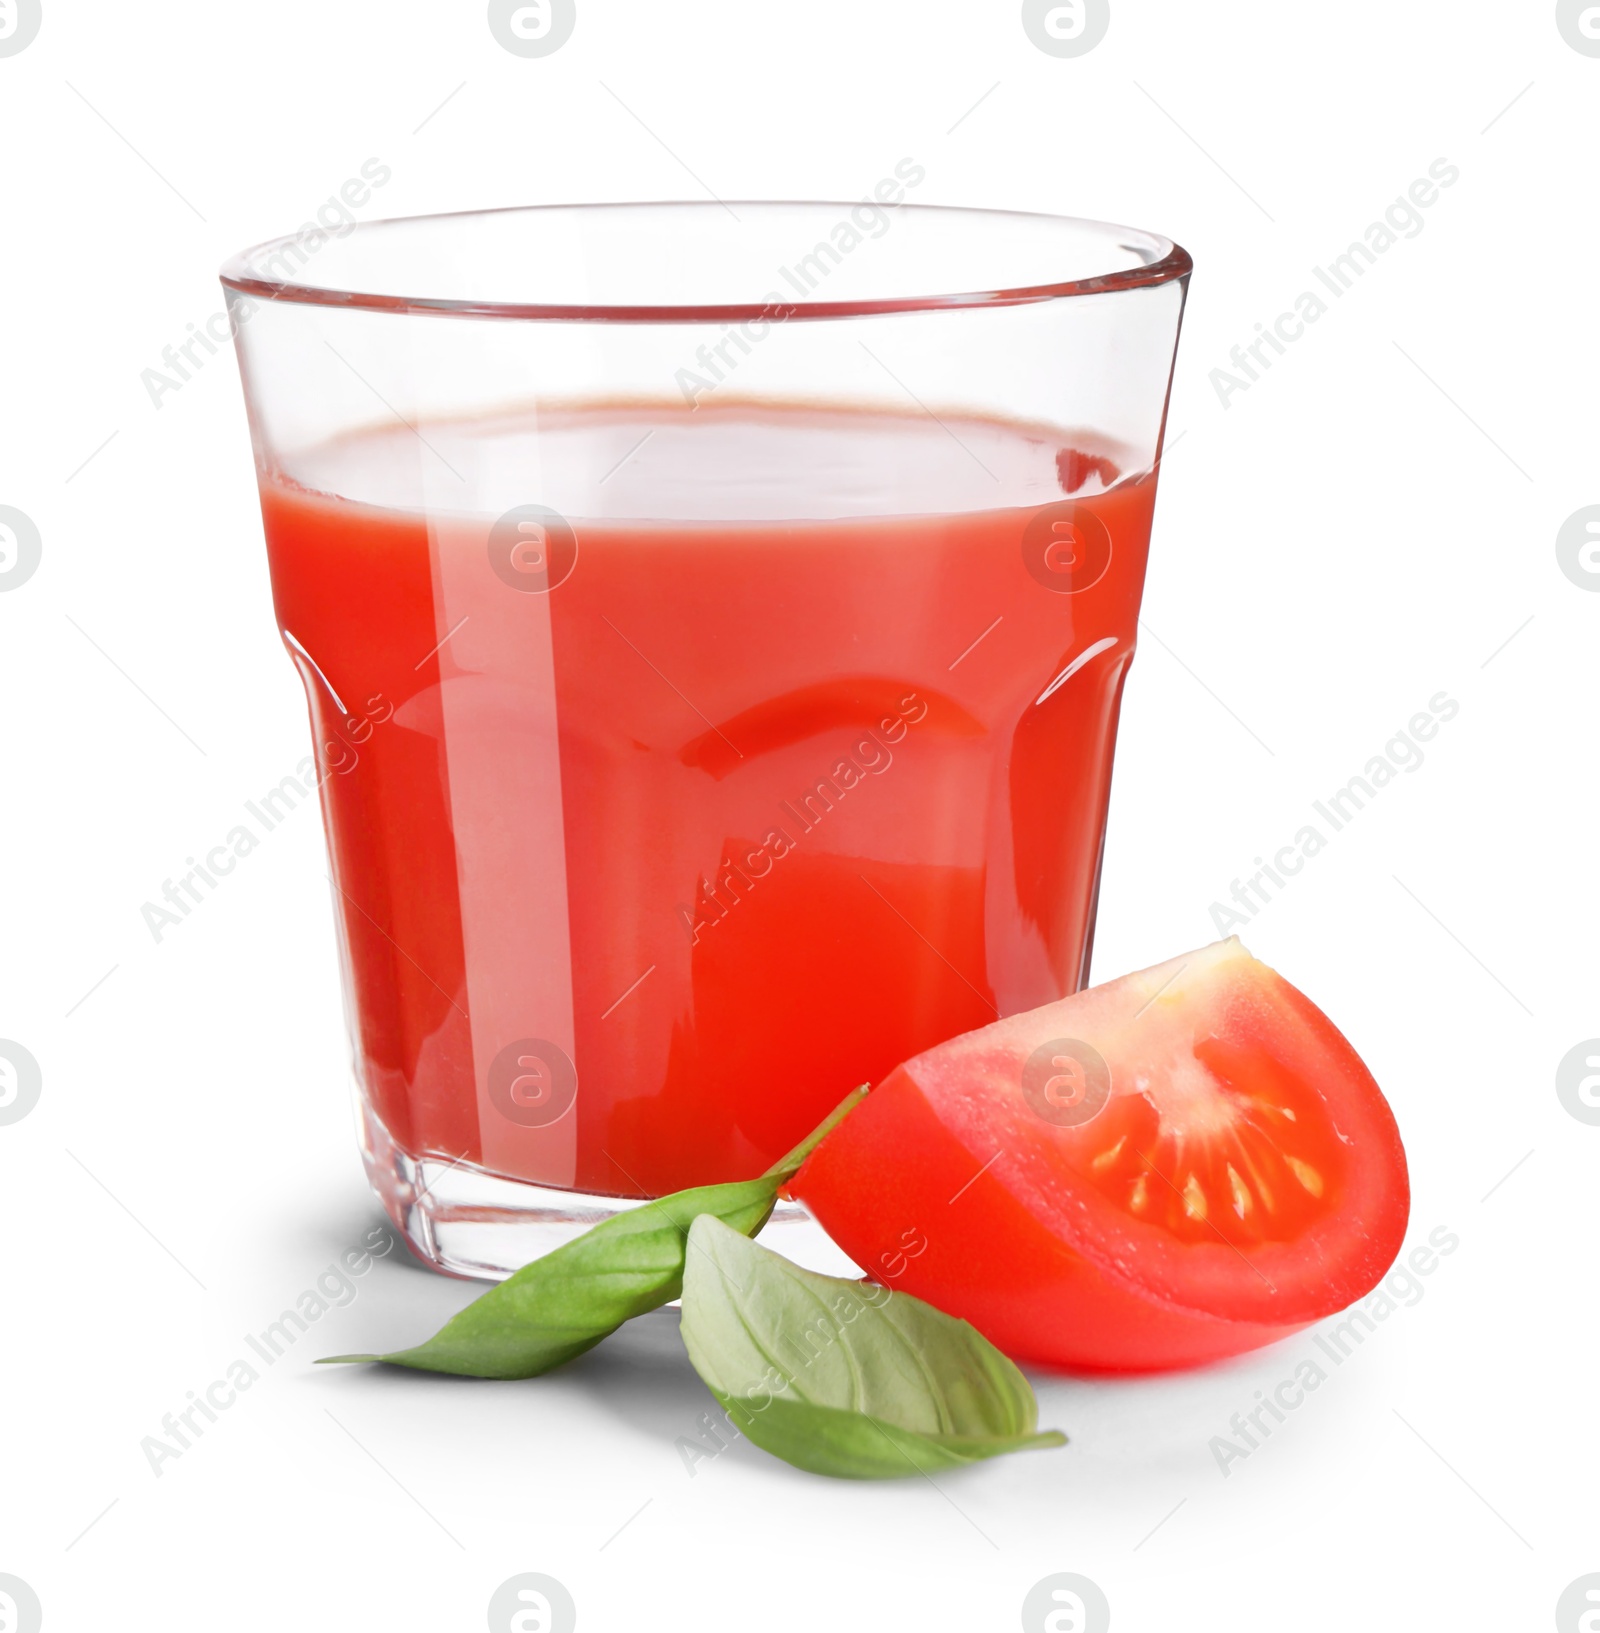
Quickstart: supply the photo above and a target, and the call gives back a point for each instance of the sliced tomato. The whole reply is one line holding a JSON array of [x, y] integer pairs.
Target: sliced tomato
[[1171, 1168]]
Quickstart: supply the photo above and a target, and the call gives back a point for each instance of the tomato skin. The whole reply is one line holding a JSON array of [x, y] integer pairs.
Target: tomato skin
[[900, 1190]]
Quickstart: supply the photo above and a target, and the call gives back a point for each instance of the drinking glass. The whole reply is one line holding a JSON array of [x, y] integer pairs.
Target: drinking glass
[[714, 619]]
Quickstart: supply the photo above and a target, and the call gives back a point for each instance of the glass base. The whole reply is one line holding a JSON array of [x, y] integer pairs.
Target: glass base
[[463, 1221]]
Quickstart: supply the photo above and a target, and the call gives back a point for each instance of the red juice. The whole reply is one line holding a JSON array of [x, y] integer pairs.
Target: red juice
[[642, 868]]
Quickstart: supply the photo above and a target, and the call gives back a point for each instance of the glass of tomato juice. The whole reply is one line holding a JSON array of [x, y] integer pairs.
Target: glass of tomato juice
[[714, 619]]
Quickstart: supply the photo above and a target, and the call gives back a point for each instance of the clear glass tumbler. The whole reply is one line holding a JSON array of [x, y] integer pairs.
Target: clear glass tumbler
[[714, 620]]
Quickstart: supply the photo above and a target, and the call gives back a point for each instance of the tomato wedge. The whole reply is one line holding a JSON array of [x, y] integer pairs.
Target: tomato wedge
[[1171, 1168]]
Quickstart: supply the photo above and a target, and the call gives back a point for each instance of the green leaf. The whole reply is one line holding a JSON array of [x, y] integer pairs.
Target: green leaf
[[845, 1377], [565, 1303]]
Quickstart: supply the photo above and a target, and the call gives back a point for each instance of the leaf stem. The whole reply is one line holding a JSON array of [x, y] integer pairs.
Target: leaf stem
[[786, 1167]]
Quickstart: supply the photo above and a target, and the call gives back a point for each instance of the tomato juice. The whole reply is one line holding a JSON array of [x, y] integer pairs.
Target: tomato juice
[[769, 748]]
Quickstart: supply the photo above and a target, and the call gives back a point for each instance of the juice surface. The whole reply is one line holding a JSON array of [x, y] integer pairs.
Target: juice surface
[[771, 781]]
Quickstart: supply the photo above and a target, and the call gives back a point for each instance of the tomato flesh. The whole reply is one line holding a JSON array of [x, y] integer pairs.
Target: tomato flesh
[[1171, 1168]]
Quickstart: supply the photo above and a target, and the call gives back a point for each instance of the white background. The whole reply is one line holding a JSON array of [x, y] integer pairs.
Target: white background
[[1370, 524]]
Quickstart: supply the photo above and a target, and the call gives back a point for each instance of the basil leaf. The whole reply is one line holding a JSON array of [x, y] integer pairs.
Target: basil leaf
[[566, 1302], [845, 1377]]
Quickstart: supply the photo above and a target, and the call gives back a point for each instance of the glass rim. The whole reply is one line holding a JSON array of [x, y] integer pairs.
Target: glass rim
[[239, 273]]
